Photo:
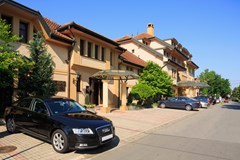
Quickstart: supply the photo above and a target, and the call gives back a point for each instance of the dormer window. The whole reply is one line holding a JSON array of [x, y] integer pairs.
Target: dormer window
[[146, 41]]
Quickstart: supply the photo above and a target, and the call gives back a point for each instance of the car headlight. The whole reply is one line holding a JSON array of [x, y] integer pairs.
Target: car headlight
[[82, 131]]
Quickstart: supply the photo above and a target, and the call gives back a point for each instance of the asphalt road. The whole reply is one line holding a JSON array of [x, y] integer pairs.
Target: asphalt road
[[210, 135]]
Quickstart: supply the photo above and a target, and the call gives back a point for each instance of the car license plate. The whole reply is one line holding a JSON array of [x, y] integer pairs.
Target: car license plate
[[107, 137]]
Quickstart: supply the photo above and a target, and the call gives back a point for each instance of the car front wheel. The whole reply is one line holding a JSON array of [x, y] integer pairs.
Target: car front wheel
[[10, 125], [188, 107], [60, 141]]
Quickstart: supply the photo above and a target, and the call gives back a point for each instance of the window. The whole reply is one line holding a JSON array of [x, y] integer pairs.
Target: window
[[82, 42], [96, 51], [39, 107], [25, 103], [35, 32], [165, 54], [174, 73], [23, 32], [78, 84], [111, 58], [103, 54], [174, 59], [89, 49], [8, 20]]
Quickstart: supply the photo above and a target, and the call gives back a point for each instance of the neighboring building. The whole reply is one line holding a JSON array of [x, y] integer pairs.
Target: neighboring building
[[168, 54], [78, 54], [130, 62]]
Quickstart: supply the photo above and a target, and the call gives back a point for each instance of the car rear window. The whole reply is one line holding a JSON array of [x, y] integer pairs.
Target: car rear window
[[24, 103]]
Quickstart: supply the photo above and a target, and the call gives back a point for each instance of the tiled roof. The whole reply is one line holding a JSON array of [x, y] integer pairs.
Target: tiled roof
[[123, 38], [143, 35], [54, 26], [129, 57]]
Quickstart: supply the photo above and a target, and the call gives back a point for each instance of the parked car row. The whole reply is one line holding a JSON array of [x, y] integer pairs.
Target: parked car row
[[189, 103], [61, 121], [180, 102]]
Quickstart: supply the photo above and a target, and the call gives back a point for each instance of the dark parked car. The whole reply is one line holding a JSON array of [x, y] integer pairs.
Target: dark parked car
[[60, 121], [204, 100], [180, 102]]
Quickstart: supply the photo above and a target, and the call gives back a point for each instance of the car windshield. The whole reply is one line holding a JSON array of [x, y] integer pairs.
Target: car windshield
[[58, 106]]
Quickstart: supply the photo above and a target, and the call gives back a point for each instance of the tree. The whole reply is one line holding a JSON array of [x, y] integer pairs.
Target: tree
[[236, 94], [153, 83], [218, 85], [142, 92], [10, 60], [38, 81], [10, 64]]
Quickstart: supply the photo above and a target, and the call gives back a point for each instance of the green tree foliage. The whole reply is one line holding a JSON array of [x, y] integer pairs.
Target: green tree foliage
[[38, 81], [236, 94], [10, 60], [218, 85], [152, 84]]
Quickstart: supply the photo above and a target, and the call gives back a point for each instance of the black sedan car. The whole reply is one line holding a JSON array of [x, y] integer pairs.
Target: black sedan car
[[60, 121], [180, 102]]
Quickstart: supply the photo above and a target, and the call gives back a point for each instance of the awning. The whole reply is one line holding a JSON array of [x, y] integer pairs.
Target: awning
[[115, 75], [192, 84]]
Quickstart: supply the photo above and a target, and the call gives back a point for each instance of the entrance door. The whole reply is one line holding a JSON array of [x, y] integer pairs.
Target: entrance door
[[96, 91]]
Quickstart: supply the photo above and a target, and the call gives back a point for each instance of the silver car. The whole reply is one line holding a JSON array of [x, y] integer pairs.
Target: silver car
[[204, 100]]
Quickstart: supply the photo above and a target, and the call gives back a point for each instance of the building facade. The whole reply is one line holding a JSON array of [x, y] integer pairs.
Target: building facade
[[168, 54], [78, 53]]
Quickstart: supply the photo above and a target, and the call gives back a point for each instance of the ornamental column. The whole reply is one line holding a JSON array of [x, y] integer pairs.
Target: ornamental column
[[124, 97], [105, 108]]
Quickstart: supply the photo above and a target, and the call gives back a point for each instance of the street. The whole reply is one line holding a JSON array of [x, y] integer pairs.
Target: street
[[210, 135]]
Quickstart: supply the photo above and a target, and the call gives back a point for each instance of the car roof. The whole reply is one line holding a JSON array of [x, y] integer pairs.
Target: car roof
[[57, 97], [50, 97]]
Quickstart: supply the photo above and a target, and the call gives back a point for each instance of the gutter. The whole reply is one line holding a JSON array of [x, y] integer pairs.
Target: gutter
[[70, 49]]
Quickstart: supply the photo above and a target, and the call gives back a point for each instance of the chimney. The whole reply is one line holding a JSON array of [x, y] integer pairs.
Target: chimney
[[150, 29]]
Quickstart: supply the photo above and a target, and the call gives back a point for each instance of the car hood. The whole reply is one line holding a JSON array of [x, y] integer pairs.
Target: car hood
[[82, 119]]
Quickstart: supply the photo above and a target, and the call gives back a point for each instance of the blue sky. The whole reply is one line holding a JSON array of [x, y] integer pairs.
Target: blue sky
[[209, 29]]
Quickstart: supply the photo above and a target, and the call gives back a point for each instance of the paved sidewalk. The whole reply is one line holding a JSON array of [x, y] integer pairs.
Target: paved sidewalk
[[129, 126]]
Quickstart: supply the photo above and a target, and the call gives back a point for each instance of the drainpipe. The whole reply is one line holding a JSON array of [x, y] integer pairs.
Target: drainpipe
[[70, 49]]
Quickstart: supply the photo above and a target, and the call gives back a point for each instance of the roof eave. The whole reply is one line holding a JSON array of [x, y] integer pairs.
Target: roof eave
[[57, 37], [85, 30], [20, 6]]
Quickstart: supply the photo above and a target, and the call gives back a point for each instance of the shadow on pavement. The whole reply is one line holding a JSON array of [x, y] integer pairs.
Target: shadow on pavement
[[4, 134], [183, 109], [19, 153], [231, 106], [101, 149]]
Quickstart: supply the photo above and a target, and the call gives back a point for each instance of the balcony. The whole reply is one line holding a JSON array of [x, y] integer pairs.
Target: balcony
[[175, 64], [88, 62]]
